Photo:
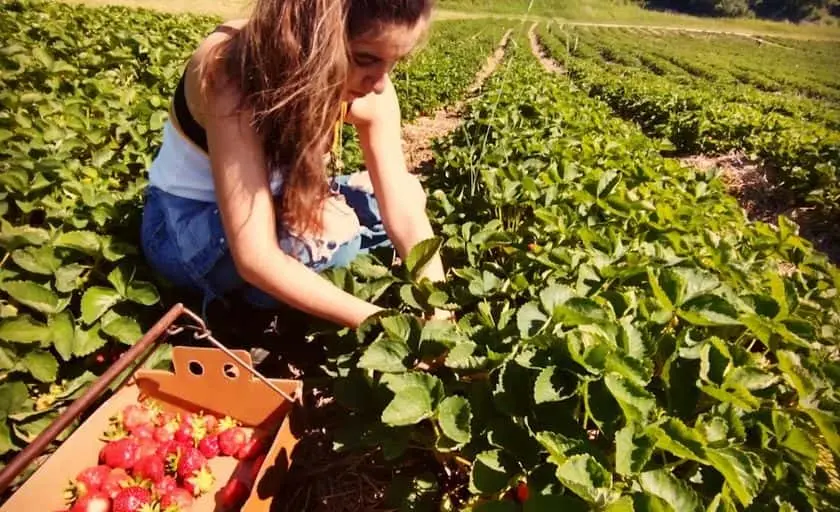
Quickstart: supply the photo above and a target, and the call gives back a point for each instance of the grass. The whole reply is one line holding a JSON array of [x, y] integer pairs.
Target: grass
[[595, 11]]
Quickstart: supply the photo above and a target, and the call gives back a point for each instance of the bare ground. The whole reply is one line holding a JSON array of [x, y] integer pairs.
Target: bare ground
[[537, 49], [419, 135], [752, 184]]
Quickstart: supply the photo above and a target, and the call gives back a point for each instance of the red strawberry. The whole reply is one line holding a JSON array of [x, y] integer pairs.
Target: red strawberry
[[233, 494], [190, 461], [134, 415], [209, 446], [165, 432], [178, 500], [165, 449], [253, 447], [114, 483], [166, 485], [232, 440], [150, 467], [96, 501], [146, 448], [91, 479], [184, 432], [121, 453], [201, 482], [144, 431], [522, 492], [132, 499], [211, 423]]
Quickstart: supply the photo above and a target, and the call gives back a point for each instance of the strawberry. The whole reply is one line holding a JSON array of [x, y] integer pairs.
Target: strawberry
[[150, 467], [132, 499], [201, 482], [185, 431], [134, 415], [116, 480], [146, 448], [232, 440], [209, 446], [190, 461], [165, 432], [233, 494], [178, 500], [90, 479], [144, 431], [165, 485], [166, 449], [96, 501], [522, 492], [167, 417], [121, 453], [252, 447], [211, 423]]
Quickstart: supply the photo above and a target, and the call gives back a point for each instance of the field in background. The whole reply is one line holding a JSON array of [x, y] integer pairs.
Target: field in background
[[600, 11]]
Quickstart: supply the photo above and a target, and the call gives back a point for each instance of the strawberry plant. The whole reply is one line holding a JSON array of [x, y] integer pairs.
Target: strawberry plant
[[624, 340]]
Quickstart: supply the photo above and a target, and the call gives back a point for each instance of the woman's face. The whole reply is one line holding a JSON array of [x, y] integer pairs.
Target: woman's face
[[375, 53]]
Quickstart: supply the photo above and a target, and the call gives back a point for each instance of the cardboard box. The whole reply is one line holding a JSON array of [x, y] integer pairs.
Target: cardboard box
[[204, 379]]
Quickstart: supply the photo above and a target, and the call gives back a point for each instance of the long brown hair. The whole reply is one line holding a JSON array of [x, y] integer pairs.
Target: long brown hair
[[289, 64]]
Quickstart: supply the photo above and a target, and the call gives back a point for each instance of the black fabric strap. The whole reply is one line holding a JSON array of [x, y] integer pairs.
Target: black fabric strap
[[189, 125]]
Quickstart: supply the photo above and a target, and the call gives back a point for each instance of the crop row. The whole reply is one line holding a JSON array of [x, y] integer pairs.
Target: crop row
[[705, 118], [624, 337], [85, 93]]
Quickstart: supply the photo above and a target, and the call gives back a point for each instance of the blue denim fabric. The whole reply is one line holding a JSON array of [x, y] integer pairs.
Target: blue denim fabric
[[184, 240]]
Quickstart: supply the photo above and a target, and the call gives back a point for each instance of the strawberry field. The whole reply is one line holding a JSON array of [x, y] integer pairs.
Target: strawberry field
[[625, 338]]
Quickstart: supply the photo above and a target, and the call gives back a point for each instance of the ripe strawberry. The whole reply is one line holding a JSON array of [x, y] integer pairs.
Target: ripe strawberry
[[96, 501], [211, 423], [232, 440], [167, 417], [253, 447], [190, 461], [114, 483], [201, 482], [166, 485], [166, 449], [134, 415], [121, 453], [146, 448], [184, 432], [144, 431], [209, 446], [165, 432], [233, 494], [179, 500], [132, 499], [522, 492], [90, 479], [150, 467]]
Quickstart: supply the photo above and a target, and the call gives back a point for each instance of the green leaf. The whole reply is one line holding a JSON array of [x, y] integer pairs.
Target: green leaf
[[560, 447], [462, 357], [662, 484], [554, 503], [83, 241], [38, 260], [62, 334], [421, 254], [551, 387], [555, 295], [123, 328], [96, 301], [5, 438], [491, 472], [530, 320], [41, 364], [578, 311], [743, 471], [636, 402], [12, 396], [455, 416], [143, 293], [750, 377], [23, 329], [495, 506], [632, 451], [799, 377], [412, 493], [385, 355], [34, 296], [120, 279], [68, 277], [828, 425], [398, 327], [584, 476], [709, 310], [408, 407], [672, 435], [13, 237], [86, 342]]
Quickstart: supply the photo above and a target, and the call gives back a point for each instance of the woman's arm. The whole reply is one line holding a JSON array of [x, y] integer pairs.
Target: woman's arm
[[400, 195], [247, 212]]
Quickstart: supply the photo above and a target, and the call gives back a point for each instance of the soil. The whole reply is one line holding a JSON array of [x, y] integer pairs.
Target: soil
[[753, 185], [419, 136], [537, 49]]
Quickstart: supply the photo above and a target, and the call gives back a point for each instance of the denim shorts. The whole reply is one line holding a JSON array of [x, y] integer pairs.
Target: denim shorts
[[184, 241]]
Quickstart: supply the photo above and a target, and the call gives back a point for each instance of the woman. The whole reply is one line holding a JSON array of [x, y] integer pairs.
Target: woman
[[239, 196]]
